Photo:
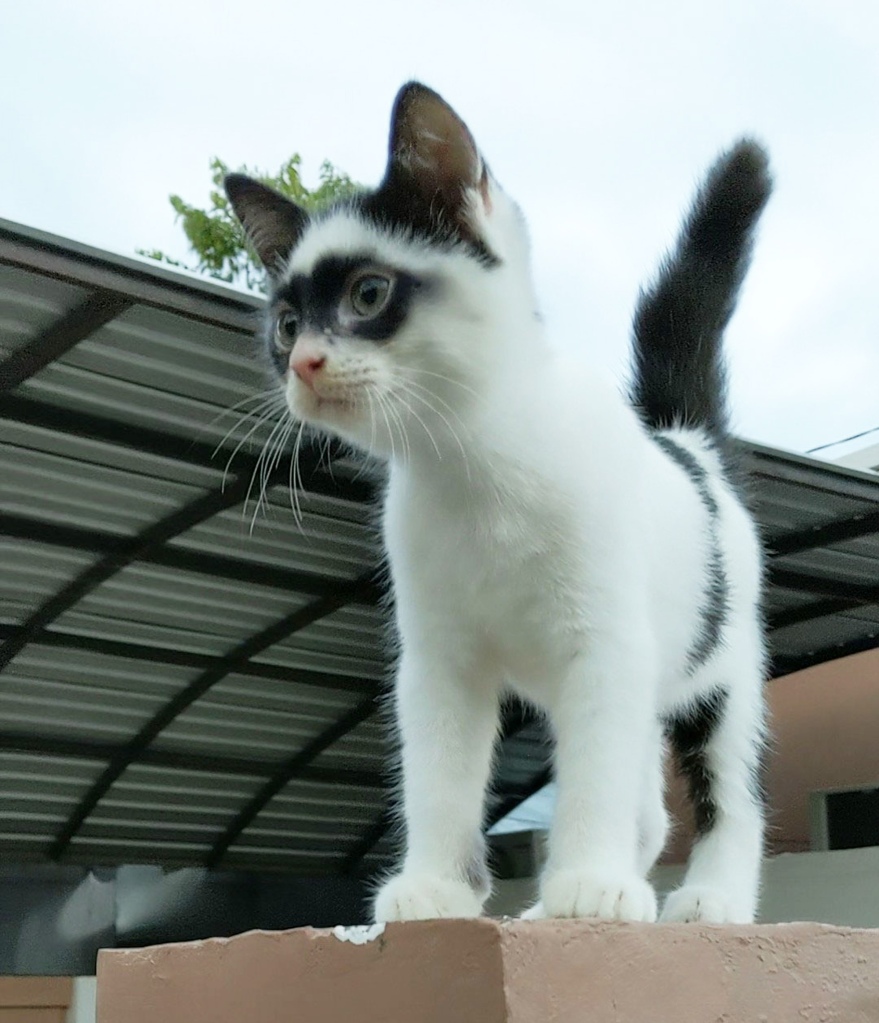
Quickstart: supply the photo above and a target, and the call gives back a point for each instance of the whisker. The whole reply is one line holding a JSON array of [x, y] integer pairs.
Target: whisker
[[424, 425], [381, 406], [406, 389], [275, 451], [260, 395], [258, 469], [394, 414], [449, 380], [404, 436], [409, 383], [292, 479], [266, 401], [265, 417], [364, 463], [298, 481]]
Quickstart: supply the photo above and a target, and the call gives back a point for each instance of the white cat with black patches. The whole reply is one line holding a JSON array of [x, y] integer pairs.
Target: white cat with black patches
[[545, 536]]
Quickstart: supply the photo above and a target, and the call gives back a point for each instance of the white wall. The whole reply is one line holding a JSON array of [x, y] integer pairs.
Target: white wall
[[82, 1009], [831, 887], [828, 887]]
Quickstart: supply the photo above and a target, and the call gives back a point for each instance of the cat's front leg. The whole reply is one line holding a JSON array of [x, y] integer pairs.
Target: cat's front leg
[[603, 719], [447, 714]]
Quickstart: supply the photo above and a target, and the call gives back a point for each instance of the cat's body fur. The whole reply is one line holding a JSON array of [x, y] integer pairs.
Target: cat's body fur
[[540, 538]]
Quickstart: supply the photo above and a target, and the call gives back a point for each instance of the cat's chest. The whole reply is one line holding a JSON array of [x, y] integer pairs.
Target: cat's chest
[[484, 540], [504, 570]]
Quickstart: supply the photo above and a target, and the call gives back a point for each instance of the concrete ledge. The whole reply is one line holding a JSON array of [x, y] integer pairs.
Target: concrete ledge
[[488, 971]]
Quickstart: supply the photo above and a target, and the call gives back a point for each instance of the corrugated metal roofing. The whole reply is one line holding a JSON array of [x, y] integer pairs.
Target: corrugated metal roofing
[[183, 681]]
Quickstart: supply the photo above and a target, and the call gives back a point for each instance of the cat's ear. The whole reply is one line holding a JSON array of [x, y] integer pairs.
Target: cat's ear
[[273, 224], [433, 148]]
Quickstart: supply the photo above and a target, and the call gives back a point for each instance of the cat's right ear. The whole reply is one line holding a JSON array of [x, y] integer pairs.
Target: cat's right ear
[[431, 147], [273, 224]]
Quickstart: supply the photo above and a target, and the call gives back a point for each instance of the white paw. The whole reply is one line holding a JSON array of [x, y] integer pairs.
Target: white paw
[[424, 897], [588, 893], [535, 912], [702, 904]]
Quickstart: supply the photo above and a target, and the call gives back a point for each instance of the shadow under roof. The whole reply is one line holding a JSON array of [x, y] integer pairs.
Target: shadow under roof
[[180, 688]]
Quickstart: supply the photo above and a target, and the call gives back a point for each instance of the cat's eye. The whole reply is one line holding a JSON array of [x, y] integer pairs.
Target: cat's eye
[[369, 295], [286, 328]]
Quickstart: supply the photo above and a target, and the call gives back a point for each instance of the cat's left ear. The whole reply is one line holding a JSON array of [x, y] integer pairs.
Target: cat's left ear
[[433, 148], [273, 224]]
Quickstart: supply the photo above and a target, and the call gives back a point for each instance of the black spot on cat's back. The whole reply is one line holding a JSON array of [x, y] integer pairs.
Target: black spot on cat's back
[[714, 610]]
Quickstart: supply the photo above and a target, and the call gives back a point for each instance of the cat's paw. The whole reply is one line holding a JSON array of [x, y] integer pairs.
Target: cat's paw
[[535, 912], [590, 893], [703, 904], [424, 897]]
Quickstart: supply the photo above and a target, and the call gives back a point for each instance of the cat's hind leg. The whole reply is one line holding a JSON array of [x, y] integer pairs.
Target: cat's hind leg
[[718, 742], [653, 820]]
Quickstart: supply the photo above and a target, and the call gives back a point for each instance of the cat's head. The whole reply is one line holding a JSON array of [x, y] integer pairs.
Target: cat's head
[[390, 311]]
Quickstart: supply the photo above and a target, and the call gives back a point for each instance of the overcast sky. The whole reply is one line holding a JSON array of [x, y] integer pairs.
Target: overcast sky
[[597, 117]]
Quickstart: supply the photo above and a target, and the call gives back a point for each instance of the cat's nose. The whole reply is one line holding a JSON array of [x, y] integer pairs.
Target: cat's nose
[[306, 362]]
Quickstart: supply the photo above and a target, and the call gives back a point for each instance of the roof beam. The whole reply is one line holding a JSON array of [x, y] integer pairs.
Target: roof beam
[[94, 312], [811, 612], [54, 418], [131, 549], [144, 284], [822, 586], [787, 665], [179, 760], [785, 467], [839, 596], [287, 772], [850, 528], [214, 565], [135, 548], [232, 662], [369, 840], [150, 654]]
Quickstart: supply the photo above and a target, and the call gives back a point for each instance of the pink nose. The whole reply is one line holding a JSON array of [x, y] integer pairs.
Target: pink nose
[[306, 365]]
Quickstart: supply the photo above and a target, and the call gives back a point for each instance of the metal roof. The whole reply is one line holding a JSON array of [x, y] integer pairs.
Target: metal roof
[[179, 688]]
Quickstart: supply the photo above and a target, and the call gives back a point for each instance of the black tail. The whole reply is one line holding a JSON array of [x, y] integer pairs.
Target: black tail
[[679, 372]]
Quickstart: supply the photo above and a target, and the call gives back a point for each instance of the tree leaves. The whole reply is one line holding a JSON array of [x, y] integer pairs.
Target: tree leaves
[[216, 237]]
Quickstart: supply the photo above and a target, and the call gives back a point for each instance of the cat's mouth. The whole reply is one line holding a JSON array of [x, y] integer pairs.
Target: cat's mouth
[[308, 402]]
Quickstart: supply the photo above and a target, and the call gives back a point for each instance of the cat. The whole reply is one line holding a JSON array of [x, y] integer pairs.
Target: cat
[[545, 535]]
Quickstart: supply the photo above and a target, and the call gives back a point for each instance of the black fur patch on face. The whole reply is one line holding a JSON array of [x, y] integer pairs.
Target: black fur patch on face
[[689, 735], [398, 205], [714, 611], [317, 300]]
